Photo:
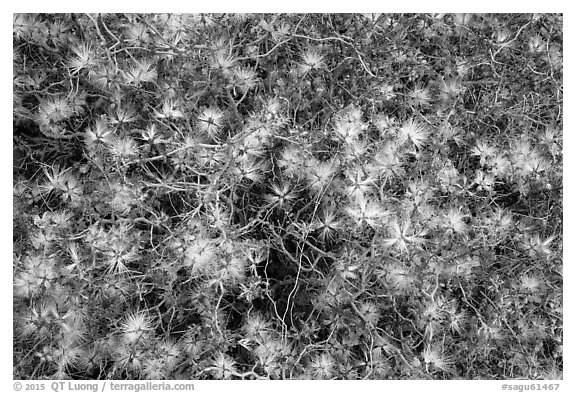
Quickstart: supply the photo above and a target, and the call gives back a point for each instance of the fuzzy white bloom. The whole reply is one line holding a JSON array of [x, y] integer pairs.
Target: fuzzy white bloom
[[384, 124], [483, 150], [244, 78], [434, 358], [223, 61], [256, 326], [210, 121], [255, 143], [535, 246], [354, 150], [137, 34], [231, 267], [536, 44], [320, 174], [123, 147], [530, 283], [348, 131], [249, 168], [201, 255], [122, 115], [269, 352], [100, 133], [453, 220], [413, 131], [401, 236], [457, 320], [83, 58], [499, 165], [387, 162], [141, 72], [222, 366], [327, 222], [536, 163], [485, 181], [117, 259], [169, 111], [292, 160], [36, 321], [358, 182], [370, 312], [501, 219], [312, 59], [136, 327], [104, 77], [399, 276], [420, 96], [322, 366], [448, 89], [57, 178], [54, 109], [67, 354], [364, 212], [282, 194], [349, 124]]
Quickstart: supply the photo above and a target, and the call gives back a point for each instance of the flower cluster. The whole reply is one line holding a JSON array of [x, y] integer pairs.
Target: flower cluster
[[319, 196]]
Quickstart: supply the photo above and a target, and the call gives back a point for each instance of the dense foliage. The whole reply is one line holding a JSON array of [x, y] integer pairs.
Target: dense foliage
[[329, 196]]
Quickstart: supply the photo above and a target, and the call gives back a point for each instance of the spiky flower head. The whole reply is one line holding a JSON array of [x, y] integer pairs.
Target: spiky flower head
[[483, 150], [419, 96], [359, 183], [485, 181], [230, 268], [450, 89], [222, 366], [363, 212], [536, 44], [322, 366], [282, 194], [142, 71], [248, 167], [223, 61], [170, 110], [136, 326], [387, 162], [535, 246], [136, 34], [57, 178], [104, 77], [327, 223], [434, 358], [211, 121], [457, 320], [312, 59], [402, 235], [99, 133], [370, 312], [320, 174], [123, 115], [453, 220], [201, 255], [83, 58], [292, 160], [399, 276], [123, 147], [39, 321], [385, 124], [256, 326], [413, 131], [245, 78], [54, 109]]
